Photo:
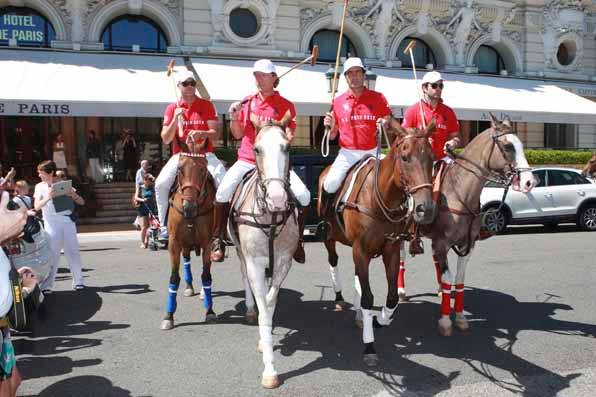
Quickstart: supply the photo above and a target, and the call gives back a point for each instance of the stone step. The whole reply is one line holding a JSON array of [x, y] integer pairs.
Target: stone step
[[113, 185], [118, 200], [112, 213], [115, 190], [111, 219], [114, 195], [117, 205]]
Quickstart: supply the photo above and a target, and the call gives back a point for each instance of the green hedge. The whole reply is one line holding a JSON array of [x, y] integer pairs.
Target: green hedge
[[535, 157]]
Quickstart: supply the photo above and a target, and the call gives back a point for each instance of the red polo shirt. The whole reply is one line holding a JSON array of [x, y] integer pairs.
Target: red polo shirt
[[273, 107], [357, 118], [195, 117], [446, 123]]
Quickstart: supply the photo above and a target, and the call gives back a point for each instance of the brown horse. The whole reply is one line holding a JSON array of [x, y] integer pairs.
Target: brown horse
[[494, 155], [385, 194], [190, 227], [590, 167]]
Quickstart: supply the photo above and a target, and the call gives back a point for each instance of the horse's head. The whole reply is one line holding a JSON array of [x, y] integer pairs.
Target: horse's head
[[192, 179], [507, 156], [272, 154], [412, 169], [590, 167]]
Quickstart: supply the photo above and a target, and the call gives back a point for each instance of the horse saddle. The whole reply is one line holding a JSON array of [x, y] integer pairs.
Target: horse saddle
[[440, 169], [350, 182]]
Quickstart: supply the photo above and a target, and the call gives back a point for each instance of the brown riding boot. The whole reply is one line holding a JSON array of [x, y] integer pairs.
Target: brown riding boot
[[218, 247], [416, 247], [299, 254]]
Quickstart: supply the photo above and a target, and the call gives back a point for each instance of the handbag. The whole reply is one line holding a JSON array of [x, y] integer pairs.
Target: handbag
[[17, 316]]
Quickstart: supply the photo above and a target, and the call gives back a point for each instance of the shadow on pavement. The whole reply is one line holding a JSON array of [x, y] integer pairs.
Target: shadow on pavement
[[315, 326], [88, 386]]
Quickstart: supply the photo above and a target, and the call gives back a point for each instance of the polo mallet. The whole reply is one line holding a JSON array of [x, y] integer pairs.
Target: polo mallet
[[325, 141], [170, 73], [200, 85], [409, 49], [312, 58]]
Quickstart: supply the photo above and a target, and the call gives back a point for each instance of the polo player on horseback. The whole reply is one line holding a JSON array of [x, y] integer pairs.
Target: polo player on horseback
[[266, 104], [199, 121], [446, 132], [354, 117]]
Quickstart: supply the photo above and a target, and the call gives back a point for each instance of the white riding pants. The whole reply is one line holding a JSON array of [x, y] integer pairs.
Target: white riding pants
[[63, 235], [345, 159], [235, 174], [167, 176], [94, 170]]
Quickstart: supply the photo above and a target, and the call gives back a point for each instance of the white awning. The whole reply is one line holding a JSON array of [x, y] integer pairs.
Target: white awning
[[47, 83]]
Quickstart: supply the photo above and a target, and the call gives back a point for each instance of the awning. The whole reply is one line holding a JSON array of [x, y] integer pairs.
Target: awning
[[46, 83]]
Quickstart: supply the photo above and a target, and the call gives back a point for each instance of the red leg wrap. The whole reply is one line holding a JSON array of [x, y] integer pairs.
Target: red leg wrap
[[459, 298], [446, 299], [401, 277]]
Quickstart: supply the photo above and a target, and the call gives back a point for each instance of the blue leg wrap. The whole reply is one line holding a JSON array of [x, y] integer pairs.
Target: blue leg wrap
[[207, 301], [171, 305], [187, 272]]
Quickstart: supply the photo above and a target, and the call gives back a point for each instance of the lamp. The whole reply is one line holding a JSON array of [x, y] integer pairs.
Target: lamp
[[370, 79], [329, 77]]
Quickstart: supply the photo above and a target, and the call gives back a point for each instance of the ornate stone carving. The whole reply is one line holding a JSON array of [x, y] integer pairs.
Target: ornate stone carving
[[175, 6], [65, 10], [563, 25], [382, 19], [264, 10], [467, 30]]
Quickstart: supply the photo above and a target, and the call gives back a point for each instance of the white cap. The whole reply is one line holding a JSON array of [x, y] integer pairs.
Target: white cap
[[264, 66], [431, 77], [352, 63], [184, 75]]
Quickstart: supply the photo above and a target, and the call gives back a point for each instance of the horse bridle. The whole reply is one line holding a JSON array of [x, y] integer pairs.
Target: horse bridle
[[200, 189], [409, 191]]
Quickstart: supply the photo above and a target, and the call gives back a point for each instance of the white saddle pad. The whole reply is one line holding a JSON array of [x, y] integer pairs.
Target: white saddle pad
[[344, 198]]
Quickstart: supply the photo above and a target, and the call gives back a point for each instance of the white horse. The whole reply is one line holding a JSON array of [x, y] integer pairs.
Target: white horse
[[264, 229]]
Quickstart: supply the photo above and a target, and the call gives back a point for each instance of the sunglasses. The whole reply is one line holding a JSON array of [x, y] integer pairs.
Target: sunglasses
[[436, 85], [187, 83]]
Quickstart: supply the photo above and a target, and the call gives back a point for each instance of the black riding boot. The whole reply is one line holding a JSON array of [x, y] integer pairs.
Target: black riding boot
[[299, 254], [218, 248], [327, 200]]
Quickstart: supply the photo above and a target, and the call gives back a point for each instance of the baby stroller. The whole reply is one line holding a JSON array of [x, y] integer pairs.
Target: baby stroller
[[153, 232]]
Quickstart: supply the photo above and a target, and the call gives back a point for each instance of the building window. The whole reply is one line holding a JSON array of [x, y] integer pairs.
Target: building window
[[244, 23], [560, 136], [488, 60], [128, 30], [566, 53], [28, 27], [478, 127], [423, 55], [327, 41]]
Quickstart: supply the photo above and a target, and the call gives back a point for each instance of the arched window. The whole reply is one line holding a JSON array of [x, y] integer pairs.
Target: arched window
[[125, 31], [27, 26], [488, 60], [327, 41], [244, 22], [423, 55]]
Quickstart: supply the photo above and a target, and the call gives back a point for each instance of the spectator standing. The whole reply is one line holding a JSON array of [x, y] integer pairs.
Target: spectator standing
[[94, 170], [59, 225], [146, 200], [22, 198], [58, 153], [129, 153]]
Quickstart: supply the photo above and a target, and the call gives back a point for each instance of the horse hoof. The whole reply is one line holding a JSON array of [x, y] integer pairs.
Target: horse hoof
[[202, 294], [167, 325], [445, 331], [340, 306], [402, 297], [189, 292], [211, 318], [359, 324], [270, 382], [371, 360], [462, 325], [250, 318]]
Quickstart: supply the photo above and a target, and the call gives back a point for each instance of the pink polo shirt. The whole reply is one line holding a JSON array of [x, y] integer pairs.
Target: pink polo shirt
[[273, 107], [195, 117], [357, 118], [446, 123]]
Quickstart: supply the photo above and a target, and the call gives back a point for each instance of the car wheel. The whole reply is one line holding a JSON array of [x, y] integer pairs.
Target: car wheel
[[587, 218], [494, 220]]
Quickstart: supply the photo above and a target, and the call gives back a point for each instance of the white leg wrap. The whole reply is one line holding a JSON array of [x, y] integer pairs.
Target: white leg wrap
[[385, 317], [267, 346], [335, 278], [368, 335], [358, 294]]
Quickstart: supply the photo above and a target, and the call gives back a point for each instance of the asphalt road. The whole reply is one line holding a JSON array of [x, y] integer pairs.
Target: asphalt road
[[530, 297]]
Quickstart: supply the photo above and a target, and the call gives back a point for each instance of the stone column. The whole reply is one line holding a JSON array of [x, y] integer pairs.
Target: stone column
[[67, 128]]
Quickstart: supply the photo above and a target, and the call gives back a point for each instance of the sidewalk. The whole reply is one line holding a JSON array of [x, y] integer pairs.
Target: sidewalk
[[107, 232]]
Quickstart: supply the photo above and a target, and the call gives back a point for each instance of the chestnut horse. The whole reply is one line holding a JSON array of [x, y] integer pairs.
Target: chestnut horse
[[590, 167], [386, 194], [264, 229], [189, 228], [495, 155]]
